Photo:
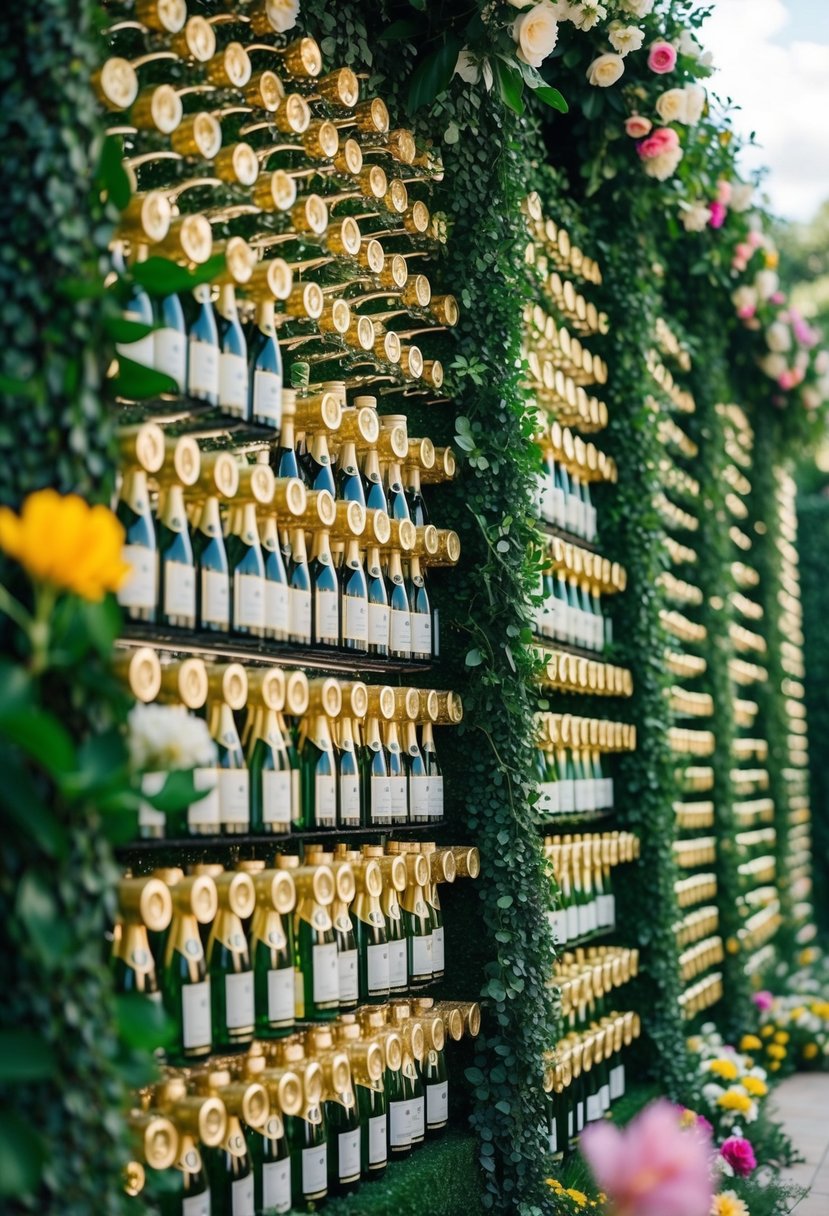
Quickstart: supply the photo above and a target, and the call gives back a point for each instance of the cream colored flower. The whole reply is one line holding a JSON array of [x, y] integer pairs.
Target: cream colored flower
[[625, 38], [779, 338], [663, 166], [637, 8], [688, 44], [587, 15], [605, 71], [536, 32], [672, 106], [165, 737], [695, 97], [767, 283], [467, 67], [741, 195], [694, 216], [282, 14], [745, 298]]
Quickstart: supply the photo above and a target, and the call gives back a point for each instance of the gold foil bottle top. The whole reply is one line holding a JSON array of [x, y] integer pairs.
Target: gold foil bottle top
[[196, 895], [237, 164], [264, 91], [417, 869], [321, 141], [225, 475], [240, 259], [235, 891], [315, 881], [395, 272], [325, 696], [406, 704], [142, 671], [197, 40], [297, 693], [341, 87], [372, 116], [276, 889], [401, 144], [354, 698], [387, 346], [147, 216], [229, 683], [361, 332], [158, 107], [165, 16], [343, 238], [147, 900], [198, 134], [443, 865], [305, 300], [381, 701], [427, 705], [134, 1177], [294, 115], [290, 497], [157, 1137], [344, 883], [411, 361], [397, 196], [378, 528], [116, 83], [185, 681], [372, 257], [272, 279], [285, 1091], [142, 446], [372, 182], [257, 482], [336, 317], [268, 685], [303, 57], [360, 424], [192, 236], [370, 877], [231, 68], [349, 158]]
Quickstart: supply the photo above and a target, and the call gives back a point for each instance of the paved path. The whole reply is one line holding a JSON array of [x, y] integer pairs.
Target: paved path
[[802, 1103]]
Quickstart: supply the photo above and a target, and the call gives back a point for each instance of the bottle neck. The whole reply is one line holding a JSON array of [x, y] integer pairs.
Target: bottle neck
[[395, 566], [394, 478], [410, 732], [371, 465], [211, 521], [427, 737], [248, 529], [268, 532], [373, 560], [352, 552], [227, 303], [321, 547], [225, 731], [298, 552], [134, 491], [319, 448], [322, 733], [346, 733], [372, 733], [174, 516], [415, 571], [347, 458], [265, 317]]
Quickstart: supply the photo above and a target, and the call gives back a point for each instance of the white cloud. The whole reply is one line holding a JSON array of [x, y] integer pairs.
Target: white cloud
[[783, 92]]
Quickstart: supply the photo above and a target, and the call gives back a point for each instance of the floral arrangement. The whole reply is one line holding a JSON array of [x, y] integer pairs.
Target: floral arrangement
[[578, 1200], [794, 1030], [732, 1085]]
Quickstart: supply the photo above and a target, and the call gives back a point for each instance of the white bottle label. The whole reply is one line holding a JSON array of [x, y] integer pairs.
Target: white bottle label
[[301, 613], [420, 799], [205, 813], [604, 1096], [437, 948], [555, 797], [378, 625], [241, 1196], [234, 795], [195, 1015], [315, 1170], [215, 598], [203, 369], [580, 1117], [327, 627], [171, 354], [148, 816], [594, 1108], [567, 800], [418, 1108], [267, 397], [276, 1185], [421, 633], [437, 1104], [611, 910], [399, 799], [617, 1082], [196, 1205], [249, 601], [349, 800], [239, 1000], [583, 920], [348, 1153], [401, 631], [141, 351], [179, 589], [276, 797], [436, 797], [325, 800], [377, 969], [558, 924], [326, 973], [422, 955], [572, 923], [347, 975], [400, 1124], [277, 607], [553, 1137], [281, 995], [377, 1143], [233, 383], [140, 590], [355, 619], [398, 965], [380, 811]]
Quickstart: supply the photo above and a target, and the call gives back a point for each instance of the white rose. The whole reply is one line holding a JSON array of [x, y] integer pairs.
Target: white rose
[[773, 366], [638, 8], [625, 38], [766, 282], [779, 338], [467, 67], [688, 44], [562, 10], [588, 15], [695, 96], [812, 398], [744, 297], [536, 32], [694, 216], [663, 166], [706, 60], [164, 737], [282, 14], [741, 195], [672, 106], [822, 362], [801, 361], [605, 71]]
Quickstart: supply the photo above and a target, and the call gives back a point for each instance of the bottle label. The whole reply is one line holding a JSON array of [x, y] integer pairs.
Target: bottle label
[[234, 795], [203, 370], [347, 975], [377, 969], [400, 1124], [355, 619], [276, 797], [436, 797], [594, 1108], [559, 507], [583, 920], [558, 925], [566, 797], [196, 1029], [233, 383], [348, 1155], [281, 996], [380, 793], [326, 973], [140, 590], [401, 631], [377, 1140], [196, 1205], [581, 800], [301, 614], [422, 955], [399, 799], [327, 604], [420, 794], [267, 397], [148, 816], [276, 1185], [179, 589], [325, 800], [141, 351], [421, 633], [171, 354], [205, 813], [572, 923], [350, 800], [241, 1201], [239, 1000], [437, 1104], [611, 910], [378, 625], [580, 1117], [398, 965], [215, 598], [437, 948], [315, 1171], [418, 1108], [249, 601], [604, 1097], [553, 1137], [277, 607], [617, 1082]]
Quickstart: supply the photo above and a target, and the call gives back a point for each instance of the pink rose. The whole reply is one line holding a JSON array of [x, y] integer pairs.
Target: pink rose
[[786, 380], [662, 58], [718, 212], [763, 1000], [745, 313], [637, 126], [777, 298], [755, 239], [663, 139], [739, 1154], [723, 192], [743, 251]]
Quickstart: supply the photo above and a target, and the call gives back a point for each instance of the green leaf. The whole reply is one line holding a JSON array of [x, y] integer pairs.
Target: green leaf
[[162, 277], [177, 792], [22, 1154], [42, 738], [112, 175], [102, 759], [23, 806], [551, 97], [510, 85], [142, 1022], [137, 382], [504, 901], [24, 1056], [474, 658], [433, 74], [121, 329], [401, 31], [38, 912], [16, 689]]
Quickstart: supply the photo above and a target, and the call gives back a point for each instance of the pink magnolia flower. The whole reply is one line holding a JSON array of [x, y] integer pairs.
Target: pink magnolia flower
[[663, 139], [723, 191], [718, 212], [662, 58], [652, 1167], [764, 1000], [637, 126], [739, 1154]]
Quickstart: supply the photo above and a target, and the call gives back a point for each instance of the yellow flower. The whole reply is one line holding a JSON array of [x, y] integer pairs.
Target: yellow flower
[[688, 1118], [774, 1066], [798, 1013], [806, 956], [755, 1087], [782, 1036], [810, 1051], [555, 1184], [726, 1069], [821, 1009], [776, 1051], [727, 1203], [750, 1042], [63, 541], [766, 1031], [733, 1099], [772, 259], [732, 945], [578, 1196]]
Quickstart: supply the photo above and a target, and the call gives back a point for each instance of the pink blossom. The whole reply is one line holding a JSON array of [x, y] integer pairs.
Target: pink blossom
[[718, 212], [803, 332], [763, 1000], [743, 251], [777, 297], [739, 1154], [786, 380], [663, 139], [705, 1126], [746, 312], [723, 191], [637, 126], [755, 239], [662, 58], [652, 1167]]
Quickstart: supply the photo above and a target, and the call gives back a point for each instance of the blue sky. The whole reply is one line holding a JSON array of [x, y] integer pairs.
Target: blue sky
[[807, 20]]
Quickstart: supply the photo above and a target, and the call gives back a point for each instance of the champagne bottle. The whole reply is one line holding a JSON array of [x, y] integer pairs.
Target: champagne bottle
[[407, 1113], [370, 931], [417, 778], [139, 594], [213, 583], [417, 921], [231, 974], [355, 601], [393, 871], [376, 499], [317, 466], [349, 791], [349, 479], [186, 986], [230, 683], [277, 590], [299, 579], [283, 458], [378, 532], [308, 1136], [435, 1076], [341, 1114], [269, 1145], [248, 576], [427, 747], [397, 775], [318, 762], [417, 506], [139, 310], [170, 339], [177, 583], [325, 614], [203, 350], [315, 946], [265, 370], [421, 611], [365, 1057], [201, 1123], [400, 617], [143, 903], [271, 775], [376, 792], [441, 869], [229, 1164], [272, 953]]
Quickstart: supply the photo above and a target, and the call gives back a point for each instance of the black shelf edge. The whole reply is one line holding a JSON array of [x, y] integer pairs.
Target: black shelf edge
[[575, 819], [553, 530], [265, 651], [578, 651]]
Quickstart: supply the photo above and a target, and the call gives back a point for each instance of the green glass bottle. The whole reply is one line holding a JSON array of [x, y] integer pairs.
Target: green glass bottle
[[347, 955], [433, 769], [230, 1165], [342, 1117], [213, 584], [407, 1111], [138, 596], [234, 779], [271, 775], [393, 872], [271, 954], [434, 1074], [231, 974], [417, 921], [186, 985], [417, 778], [308, 1137], [177, 571], [318, 774], [441, 869], [349, 801], [376, 788], [143, 904], [315, 946], [365, 1057], [370, 931], [268, 1144]]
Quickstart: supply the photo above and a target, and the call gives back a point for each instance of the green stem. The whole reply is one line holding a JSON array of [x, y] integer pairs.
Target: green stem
[[40, 628], [14, 610]]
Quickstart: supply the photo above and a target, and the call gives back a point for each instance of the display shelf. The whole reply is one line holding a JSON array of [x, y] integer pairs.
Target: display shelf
[[573, 819], [570, 537]]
